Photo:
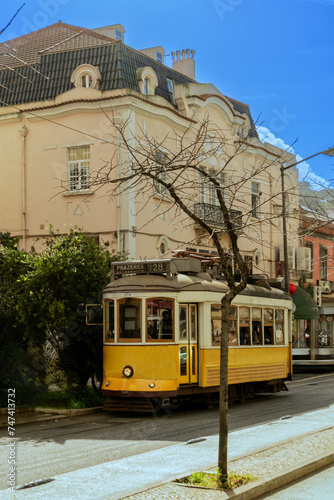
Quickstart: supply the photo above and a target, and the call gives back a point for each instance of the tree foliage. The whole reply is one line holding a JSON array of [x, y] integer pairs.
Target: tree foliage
[[49, 290]]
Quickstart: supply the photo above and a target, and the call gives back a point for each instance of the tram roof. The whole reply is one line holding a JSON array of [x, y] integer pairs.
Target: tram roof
[[185, 282]]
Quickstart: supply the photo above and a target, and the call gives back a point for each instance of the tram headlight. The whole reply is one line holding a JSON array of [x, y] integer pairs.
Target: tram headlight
[[107, 383], [128, 371], [152, 385]]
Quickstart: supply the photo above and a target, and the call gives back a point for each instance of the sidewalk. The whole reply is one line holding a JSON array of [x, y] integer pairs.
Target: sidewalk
[[275, 453]]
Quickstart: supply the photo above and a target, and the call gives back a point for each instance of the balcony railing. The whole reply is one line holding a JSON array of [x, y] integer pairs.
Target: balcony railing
[[213, 215]]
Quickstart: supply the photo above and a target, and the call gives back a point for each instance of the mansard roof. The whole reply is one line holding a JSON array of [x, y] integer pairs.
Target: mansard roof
[[38, 66], [58, 37]]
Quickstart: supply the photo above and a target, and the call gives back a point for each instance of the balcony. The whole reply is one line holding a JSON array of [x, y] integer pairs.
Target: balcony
[[213, 215]]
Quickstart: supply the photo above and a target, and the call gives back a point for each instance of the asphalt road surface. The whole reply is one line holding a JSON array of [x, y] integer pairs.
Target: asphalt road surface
[[51, 448]]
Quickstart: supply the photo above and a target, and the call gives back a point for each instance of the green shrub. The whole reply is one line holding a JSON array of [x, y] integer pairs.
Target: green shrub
[[76, 397]]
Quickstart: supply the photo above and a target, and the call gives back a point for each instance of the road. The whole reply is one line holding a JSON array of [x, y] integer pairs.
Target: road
[[56, 447]]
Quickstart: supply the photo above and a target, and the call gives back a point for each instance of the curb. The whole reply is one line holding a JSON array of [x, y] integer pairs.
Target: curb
[[263, 486], [70, 412], [38, 414], [255, 489]]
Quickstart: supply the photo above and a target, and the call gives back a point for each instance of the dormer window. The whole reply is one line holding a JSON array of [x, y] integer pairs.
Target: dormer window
[[159, 57], [86, 76], [146, 86], [118, 34], [147, 80], [86, 81], [170, 85]]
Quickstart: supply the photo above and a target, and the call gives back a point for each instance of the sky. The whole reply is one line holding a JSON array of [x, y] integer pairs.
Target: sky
[[274, 55]]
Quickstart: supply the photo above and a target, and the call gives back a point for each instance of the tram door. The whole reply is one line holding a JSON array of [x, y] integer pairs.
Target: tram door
[[188, 344]]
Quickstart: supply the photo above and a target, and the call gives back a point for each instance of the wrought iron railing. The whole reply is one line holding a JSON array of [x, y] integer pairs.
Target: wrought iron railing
[[213, 214]]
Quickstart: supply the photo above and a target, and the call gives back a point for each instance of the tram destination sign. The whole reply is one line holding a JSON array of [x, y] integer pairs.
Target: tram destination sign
[[141, 267], [170, 267]]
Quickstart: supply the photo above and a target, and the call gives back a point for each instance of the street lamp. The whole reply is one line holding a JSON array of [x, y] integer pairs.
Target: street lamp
[[328, 152]]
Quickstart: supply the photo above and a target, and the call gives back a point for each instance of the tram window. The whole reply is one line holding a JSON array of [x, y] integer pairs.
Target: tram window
[[183, 322], [216, 324], [160, 319], [183, 360], [129, 319], [256, 326], [279, 326], [216, 318], [244, 325], [193, 322], [268, 326], [193, 360], [232, 324], [109, 322]]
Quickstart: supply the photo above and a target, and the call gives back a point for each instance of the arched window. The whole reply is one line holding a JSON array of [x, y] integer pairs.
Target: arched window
[[147, 80], [86, 76]]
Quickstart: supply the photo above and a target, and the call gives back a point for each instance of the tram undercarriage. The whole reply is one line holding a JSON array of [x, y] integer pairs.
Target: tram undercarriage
[[209, 396]]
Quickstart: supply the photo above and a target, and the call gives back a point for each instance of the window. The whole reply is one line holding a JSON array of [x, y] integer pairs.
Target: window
[[256, 326], [170, 85], [255, 199], [232, 325], [129, 316], [146, 86], [78, 168], [208, 190], [147, 80], [86, 81], [86, 76], [279, 326], [216, 317], [109, 322], [160, 319], [159, 57], [244, 326], [309, 245], [323, 263], [161, 173], [118, 34], [268, 326]]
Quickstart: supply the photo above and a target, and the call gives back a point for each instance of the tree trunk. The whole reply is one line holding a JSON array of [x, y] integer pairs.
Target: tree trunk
[[223, 393]]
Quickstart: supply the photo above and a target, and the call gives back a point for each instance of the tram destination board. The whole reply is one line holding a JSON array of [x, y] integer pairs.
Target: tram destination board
[[141, 267]]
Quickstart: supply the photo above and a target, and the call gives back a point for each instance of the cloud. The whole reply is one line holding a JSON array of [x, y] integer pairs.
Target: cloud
[[305, 173]]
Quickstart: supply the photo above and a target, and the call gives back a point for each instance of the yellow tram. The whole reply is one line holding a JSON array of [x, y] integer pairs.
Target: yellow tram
[[162, 329]]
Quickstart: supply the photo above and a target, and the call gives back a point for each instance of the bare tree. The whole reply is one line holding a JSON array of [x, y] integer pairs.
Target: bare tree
[[175, 167]]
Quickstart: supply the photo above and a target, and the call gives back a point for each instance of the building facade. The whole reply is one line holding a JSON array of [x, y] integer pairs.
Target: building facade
[[63, 89], [314, 338]]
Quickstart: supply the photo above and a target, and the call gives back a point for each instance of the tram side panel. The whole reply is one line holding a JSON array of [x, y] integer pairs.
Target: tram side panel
[[246, 364]]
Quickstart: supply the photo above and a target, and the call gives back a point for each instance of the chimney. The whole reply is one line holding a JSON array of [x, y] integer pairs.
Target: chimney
[[114, 31], [185, 62]]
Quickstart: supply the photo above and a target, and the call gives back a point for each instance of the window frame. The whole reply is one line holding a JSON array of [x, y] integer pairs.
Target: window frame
[[255, 199], [78, 179], [139, 321], [323, 262], [161, 340], [109, 340], [232, 318], [281, 322], [160, 159]]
